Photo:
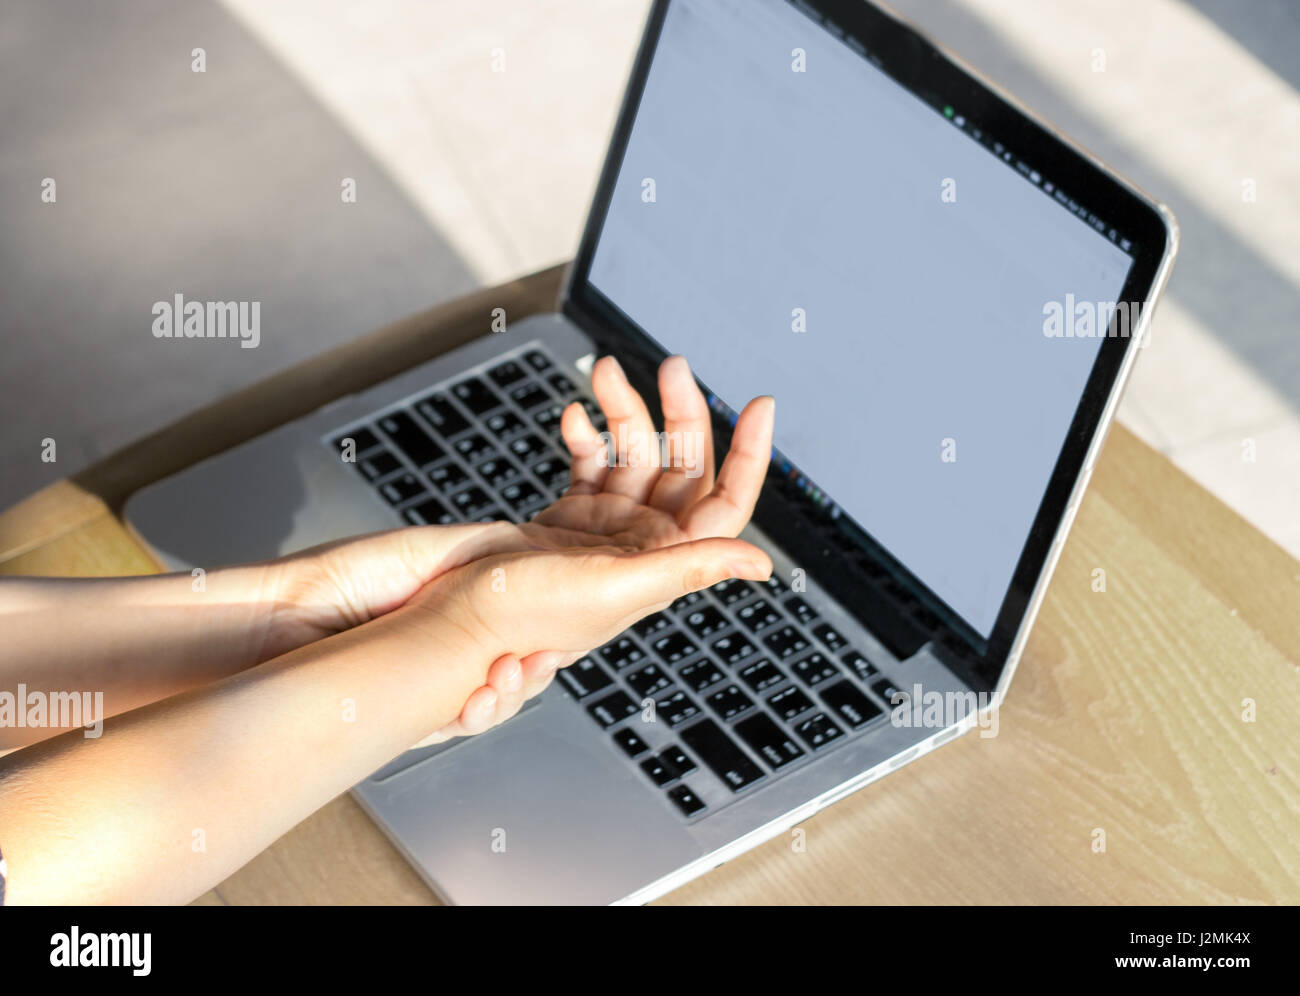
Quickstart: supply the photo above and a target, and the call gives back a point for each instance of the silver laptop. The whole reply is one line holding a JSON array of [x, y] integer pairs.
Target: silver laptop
[[807, 199]]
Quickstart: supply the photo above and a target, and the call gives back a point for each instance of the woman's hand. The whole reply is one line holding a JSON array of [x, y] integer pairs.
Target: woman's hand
[[623, 499], [632, 498]]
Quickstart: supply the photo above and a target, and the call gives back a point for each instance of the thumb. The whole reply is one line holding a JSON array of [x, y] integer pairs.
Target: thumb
[[645, 581], [577, 600]]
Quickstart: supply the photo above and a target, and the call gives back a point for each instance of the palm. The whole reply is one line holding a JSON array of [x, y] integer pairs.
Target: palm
[[632, 502]]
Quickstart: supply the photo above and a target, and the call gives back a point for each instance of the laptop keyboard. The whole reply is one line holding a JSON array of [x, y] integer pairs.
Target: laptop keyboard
[[747, 678], [483, 448]]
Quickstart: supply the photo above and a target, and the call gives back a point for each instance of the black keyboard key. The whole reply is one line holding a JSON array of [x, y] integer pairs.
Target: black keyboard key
[[852, 707], [705, 621], [651, 625], [674, 647], [730, 702], [858, 664], [529, 396], [731, 591], [416, 444], [538, 360], [687, 801], [814, 669], [429, 513], [476, 396], [761, 675], [440, 413], [649, 680], [678, 760], [785, 642], [476, 447], [768, 741], [498, 472], [621, 653], [522, 495], [633, 746], [687, 602], [733, 648], [552, 472], [503, 425], [447, 477], [494, 515], [529, 448], [801, 610], [584, 677], [830, 636], [818, 731], [377, 465], [759, 615], [562, 385], [891, 693], [660, 773], [774, 586], [676, 709], [700, 674], [613, 708], [720, 753], [472, 502], [401, 488], [505, 374], [362, 440], [789, 703], [548, 420]]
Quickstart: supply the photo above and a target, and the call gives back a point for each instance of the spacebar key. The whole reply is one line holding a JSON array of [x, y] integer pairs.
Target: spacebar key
[[719, 752]]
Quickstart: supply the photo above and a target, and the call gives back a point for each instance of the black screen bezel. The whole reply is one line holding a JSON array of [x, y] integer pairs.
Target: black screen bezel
[[912, 60]]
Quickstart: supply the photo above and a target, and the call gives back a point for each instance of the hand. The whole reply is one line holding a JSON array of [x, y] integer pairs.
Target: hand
[[637, 502], [633, 502]]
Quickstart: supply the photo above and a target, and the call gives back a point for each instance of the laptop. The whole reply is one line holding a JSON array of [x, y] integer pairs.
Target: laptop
[[807, 199]]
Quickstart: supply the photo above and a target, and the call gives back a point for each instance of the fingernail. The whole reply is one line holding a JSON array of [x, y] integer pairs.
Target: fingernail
[[488, 705], [514, 676], [750, 570]]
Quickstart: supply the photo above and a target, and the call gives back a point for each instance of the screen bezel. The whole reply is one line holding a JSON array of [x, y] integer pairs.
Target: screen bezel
[[854, 575]]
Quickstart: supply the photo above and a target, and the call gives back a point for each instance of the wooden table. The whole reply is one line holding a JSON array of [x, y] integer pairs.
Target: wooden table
[[1126, 714]]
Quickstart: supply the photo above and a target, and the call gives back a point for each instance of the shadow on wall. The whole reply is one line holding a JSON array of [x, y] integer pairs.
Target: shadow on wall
[[222, 185]]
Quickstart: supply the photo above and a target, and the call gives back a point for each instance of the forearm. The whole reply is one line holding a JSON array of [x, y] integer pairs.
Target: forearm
[[133, 640], [176, 796]]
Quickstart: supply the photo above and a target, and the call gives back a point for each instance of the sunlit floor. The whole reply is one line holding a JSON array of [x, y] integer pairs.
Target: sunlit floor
[[469, 176]]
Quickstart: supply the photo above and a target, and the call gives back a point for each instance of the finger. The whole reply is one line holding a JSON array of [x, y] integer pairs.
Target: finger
[[540, 668], [588, 455], [726, 509], [632, 430], [506, 676], [479, 712], [619, 589], [688, 471], [374, 574]]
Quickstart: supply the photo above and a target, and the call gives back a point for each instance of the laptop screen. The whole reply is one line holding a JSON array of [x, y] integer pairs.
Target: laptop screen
[[923, 305]]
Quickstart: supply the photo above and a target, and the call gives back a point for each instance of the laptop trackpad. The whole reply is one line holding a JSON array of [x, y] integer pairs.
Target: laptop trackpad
[[539, 811]]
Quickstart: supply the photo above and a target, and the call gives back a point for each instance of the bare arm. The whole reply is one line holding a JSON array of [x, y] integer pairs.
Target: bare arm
[[176, 796]]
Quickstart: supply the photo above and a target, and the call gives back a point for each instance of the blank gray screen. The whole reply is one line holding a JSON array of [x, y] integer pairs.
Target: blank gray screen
[[776, 190]]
